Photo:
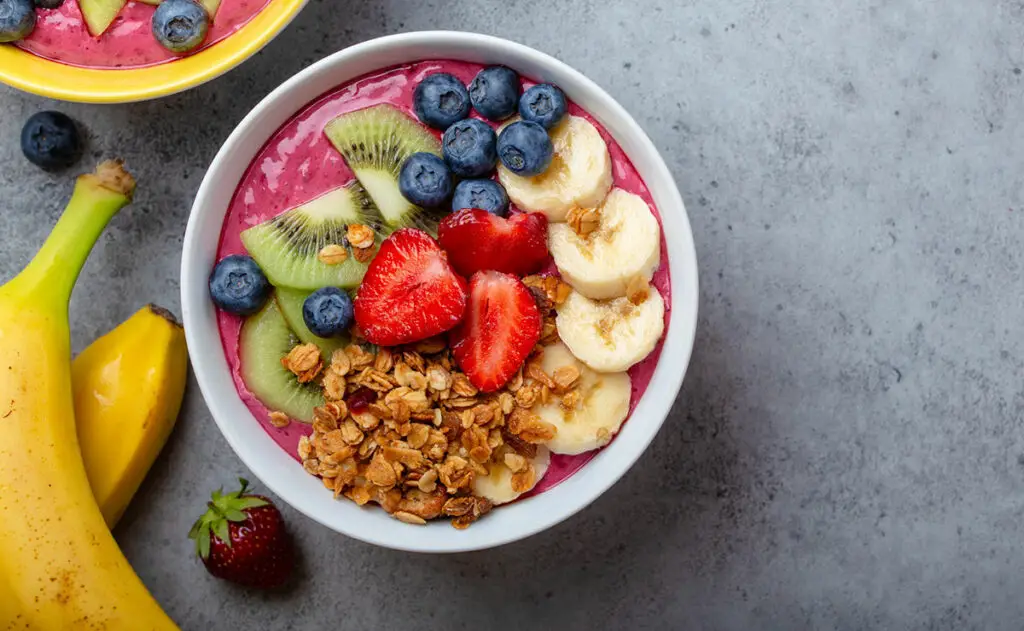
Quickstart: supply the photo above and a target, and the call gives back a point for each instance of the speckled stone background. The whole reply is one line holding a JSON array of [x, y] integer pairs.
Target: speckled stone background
[[847, 450]]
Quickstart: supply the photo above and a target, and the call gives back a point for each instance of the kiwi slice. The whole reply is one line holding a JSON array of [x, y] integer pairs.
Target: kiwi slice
[[286, 247], [264, 340], [290, 302], [375, 142]]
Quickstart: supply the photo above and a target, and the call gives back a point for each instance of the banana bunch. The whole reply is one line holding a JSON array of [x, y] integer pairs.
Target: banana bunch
[[60, 568]]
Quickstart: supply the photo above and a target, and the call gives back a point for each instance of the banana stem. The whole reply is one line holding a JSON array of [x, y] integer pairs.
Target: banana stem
[[97, 197]]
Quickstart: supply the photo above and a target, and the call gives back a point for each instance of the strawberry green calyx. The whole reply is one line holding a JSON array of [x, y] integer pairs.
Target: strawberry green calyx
[[222, 509]]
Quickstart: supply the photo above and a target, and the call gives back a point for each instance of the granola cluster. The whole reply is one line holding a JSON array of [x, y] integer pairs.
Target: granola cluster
[[584, 221], [404, 428], [361, 238]]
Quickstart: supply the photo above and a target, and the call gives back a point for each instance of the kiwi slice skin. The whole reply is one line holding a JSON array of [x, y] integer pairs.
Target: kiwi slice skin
[[375, 142], [287, 246], [265, 338], [290, 302]]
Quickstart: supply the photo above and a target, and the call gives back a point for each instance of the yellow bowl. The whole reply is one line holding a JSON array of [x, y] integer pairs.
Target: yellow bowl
[[41, 76]]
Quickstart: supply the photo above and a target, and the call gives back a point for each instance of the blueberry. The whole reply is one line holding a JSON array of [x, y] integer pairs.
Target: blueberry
[[483, 194], [440, 100], [237, 285], [495, 92], [327, 311], [180, 25], [17, 19], [470, 148], [425, 180], [543, 104], [50, 140], [525, 148], [49, 4]]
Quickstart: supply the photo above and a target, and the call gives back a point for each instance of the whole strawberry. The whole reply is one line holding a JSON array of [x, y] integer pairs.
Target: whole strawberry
[[241, 538]]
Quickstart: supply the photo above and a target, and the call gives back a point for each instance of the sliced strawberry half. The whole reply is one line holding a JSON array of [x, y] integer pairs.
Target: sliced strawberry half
[[477, 240], [501, 327], [409, 292]]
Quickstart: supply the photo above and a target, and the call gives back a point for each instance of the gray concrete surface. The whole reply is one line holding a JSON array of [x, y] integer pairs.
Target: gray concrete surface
[[847, 450]]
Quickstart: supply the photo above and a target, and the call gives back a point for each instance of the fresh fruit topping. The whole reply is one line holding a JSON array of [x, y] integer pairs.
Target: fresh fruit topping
[[375, 143], [501, 327], [410, 291], [470, 148], [484, 194], [237, 285], [17, 19], [211, 6], [242, 538], [495, 92], [425, 180], [525, 148], [180, 25], [265, 339], [291, 247], [611, 335], [361, 399], [99, 14], [49, 4], [50, 140], [477, 240], [580, 174], [591, 412], [440, 100], [512, 476], [600, 251], [543, 104], [327, 312], [290, 302]]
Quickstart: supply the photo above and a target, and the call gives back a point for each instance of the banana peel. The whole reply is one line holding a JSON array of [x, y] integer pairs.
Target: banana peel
[[128, 386]]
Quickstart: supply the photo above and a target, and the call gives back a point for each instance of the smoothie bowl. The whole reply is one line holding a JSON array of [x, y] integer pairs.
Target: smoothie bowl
[[434, 280], [115, 51]]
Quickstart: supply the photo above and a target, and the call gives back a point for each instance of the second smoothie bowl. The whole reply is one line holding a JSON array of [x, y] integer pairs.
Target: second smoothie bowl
[[436, 280], [115, 51]]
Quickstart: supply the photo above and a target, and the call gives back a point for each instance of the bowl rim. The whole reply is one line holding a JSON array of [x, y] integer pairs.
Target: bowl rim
[[521, 519], [53, 79]]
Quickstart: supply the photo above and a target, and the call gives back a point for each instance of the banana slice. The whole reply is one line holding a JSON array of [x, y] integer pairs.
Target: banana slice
[[626, 245], [589, 421], [611, 335], [497, 487], [580, 173]]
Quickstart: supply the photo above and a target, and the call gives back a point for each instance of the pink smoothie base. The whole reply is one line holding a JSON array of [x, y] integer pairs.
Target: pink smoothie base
[[298, 164], [61, 35]]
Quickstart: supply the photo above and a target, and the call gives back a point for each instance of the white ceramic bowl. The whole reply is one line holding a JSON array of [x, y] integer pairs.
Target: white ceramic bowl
[[277, 469]]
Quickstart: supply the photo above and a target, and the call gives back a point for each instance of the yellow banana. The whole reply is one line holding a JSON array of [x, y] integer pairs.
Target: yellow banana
[[128, 386], [60, 565]]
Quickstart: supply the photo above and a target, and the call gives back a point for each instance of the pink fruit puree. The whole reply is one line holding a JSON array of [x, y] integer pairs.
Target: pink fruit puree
[[298, 163], [61, 35]]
